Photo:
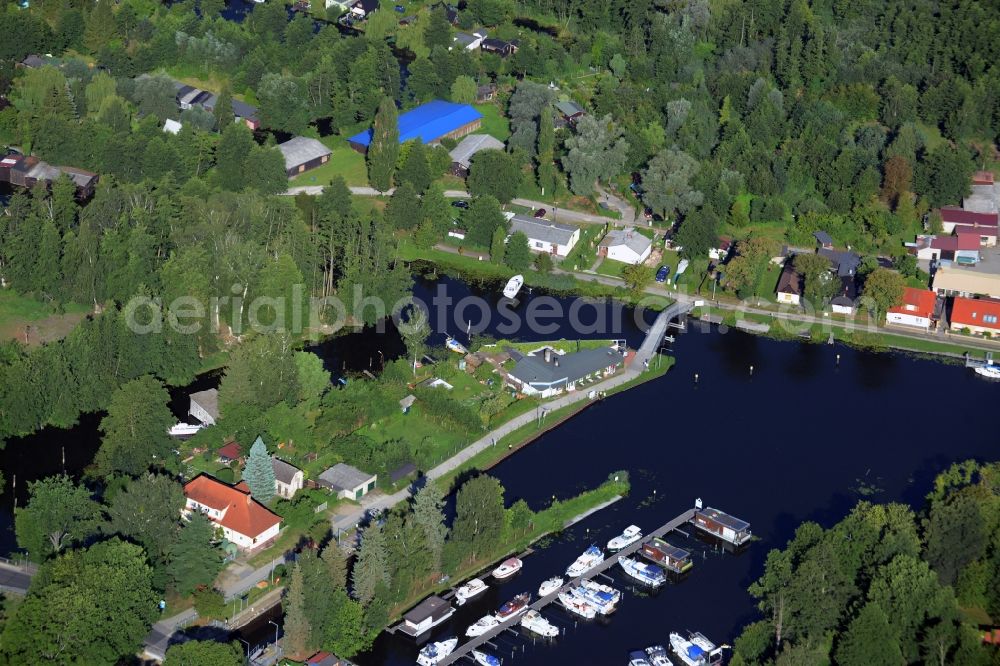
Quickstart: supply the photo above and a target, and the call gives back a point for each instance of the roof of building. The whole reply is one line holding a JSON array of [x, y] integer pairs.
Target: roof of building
[[408, 401], [847, 262], [790, 281], [243, 514], [823, 238], [428, 122], [171, 126], [979, 230], [431, 607], [974, 311], [964, 239], [983, 199], [467, 39], [323, 659], [244, 110], [543, 230], [284, 472], [627, 237], [80, 177], [967, 280], [207, 400], [494, 44], [982, 178], [569, 108], [917, 302], [848, 292], [956, 215], [367, 6], [301, 149], [732, 522], [535, 369], [344, 477], [472, 144], [33, 61], [402, 472], [232, 450]]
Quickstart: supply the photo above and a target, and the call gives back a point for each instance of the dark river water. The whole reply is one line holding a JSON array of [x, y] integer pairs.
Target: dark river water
[[800, 439]]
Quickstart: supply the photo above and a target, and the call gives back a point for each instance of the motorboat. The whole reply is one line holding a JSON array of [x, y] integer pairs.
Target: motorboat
[[508, 568], [515, 606], [577, 605], [434, 653], [454, 345], [471, 589], [647, 574], [513, 286], [485, 658], [989, 371], [184, 429], [482, 625], [628, 537], [658, 656], [534, 621], [549, 586], [638, 658], [604, 597], [587, 561], [695, 650]]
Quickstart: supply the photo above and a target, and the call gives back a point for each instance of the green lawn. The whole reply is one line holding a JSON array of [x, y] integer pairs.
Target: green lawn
[[611, 268], [343, 162], [46, 322], [584, 253], [494, 122]]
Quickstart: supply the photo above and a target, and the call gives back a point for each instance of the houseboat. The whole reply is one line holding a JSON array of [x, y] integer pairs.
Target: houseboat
[[629, 536], [471, 589], [720, 524], [669, 557], [535, 622], [589, 559], [695, 650], [426, 615], [435, 653]]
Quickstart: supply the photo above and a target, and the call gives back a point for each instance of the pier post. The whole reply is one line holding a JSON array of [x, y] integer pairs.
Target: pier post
[[751, 371]]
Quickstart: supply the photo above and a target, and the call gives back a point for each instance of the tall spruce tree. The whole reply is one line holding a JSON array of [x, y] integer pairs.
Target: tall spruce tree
[[383, 151], [259, 473], [297, 627]]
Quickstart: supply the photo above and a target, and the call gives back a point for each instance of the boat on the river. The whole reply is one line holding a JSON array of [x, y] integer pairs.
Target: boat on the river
[[485, 658], [434, 653], [513, 286], [508, 568], [549, 586], [720, 524], [629, 536], [989, 371], [638, 658], [454, 345], [515, 606], [577, 604], [658, 656], [534, 621], [695, 650], [647, 574], [604, 597], [589, 559], [482, 625], [471, 589], [661, 553]]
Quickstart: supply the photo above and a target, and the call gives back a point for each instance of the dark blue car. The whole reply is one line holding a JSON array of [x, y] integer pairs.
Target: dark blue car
[[661, 275]]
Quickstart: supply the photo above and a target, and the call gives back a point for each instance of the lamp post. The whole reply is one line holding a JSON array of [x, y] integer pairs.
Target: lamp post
[[275, 633], [248, 648]]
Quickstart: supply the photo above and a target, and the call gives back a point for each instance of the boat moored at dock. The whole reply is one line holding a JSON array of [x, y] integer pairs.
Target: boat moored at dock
[[669, 557], [629, 536], [472, 588], [481, 626], [513, 286], [577, 604], [454, 345], [720, 524], [534, 621], [549, 586], [508, 568], [695, 650], [514, 607], [647, 574], [426, 615], [485, 658], [638, 658], [989, 371], [658, 656], [604, 597], [589, 559], [434, 653]]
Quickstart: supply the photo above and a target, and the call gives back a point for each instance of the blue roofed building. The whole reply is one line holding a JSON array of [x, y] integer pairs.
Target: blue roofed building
[[430, 123]]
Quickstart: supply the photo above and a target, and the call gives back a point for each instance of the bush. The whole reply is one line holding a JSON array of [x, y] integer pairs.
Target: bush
[[225, 474], [209, 603]]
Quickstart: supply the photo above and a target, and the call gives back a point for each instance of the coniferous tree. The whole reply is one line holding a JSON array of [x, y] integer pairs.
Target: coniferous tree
[[192, 560], [383, 151], [428, 512], [223, 110], [259, 472], [297, 628], [372, 566], [546, 153]]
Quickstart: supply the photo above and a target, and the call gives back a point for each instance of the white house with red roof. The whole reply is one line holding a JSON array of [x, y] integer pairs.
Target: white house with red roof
[[916, 310], [984, 225], [244, 521], [977, 315]]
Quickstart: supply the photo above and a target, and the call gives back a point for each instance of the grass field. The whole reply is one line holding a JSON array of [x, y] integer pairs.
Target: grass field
[[494, 122], [46, 324], [343, 162], [611, 268]]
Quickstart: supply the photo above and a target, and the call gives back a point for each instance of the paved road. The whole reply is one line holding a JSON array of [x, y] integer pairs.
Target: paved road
[[16, 578], [158, 640]]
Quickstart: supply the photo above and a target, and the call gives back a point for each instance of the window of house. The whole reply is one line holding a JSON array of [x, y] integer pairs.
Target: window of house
[[990, 319]]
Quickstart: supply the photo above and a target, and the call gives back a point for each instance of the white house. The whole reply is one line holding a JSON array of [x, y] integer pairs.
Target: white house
[[348, 482], [915, 311], [288, 479], [790, 285], [204, 406], [545, 236], [551, 373], [244, 521], [470, 41], [626, 245]]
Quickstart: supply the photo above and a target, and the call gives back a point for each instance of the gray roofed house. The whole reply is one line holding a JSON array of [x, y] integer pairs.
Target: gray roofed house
[[302, 153], [461, 155], [545, 236], [288, 479], [348, 482], [847, 262], [469, 41], [551, 372], [823, 239], [204, 406], [248, 113], [626, 245], [34, 61], [569, 110]]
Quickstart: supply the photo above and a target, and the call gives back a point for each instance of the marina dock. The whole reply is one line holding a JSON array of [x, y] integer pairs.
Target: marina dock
[[465, 650]]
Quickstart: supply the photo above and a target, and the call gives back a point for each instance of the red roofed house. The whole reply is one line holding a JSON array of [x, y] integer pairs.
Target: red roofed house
[[978, 315], [916, 309], [982, 178], [244, 521], [230, 453], [985, 224]]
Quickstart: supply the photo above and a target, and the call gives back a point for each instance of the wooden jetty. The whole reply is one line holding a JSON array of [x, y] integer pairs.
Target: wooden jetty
[[466, 648]]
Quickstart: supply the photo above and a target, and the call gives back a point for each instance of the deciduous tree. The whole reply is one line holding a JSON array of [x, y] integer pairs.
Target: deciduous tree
[[135, 429], [58, 513], [596, 152]]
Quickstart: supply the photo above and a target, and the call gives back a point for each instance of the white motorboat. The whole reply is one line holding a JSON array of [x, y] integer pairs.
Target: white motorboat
[[604, 597], [454, 345], [695, 650], [485, 658], [577, 605], [184, 429], [471, 589], [549, 586], [587, 561], [513, 286], [637, 658], [631, 534], [535, 622], [658, 656], [648, 574], [507, 568], [433, 653], [989, 371], [482, 625]]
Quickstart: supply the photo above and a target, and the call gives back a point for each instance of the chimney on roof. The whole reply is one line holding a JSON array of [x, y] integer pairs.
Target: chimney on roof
[[547, 355], [555, 361], [249, 498]]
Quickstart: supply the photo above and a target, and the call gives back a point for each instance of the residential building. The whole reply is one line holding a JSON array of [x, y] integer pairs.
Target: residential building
[[498, 46], [486, 93], [248, 114], [916, 310], [545, 236], [364, 8], [966, 282], [171, 126], [204, 406], [550, 372], [303, 153], [961, 248], [469, 41], [348, 482], [976, 315], [952, 216], [325, 659], [845, 262], [430, 123], [845, 298], [627, 245], [461, 155], [244, 521], [288, 479], [722, 250], [790, 285], [230, 453], [823, 239], [570, 111], [27, 171]]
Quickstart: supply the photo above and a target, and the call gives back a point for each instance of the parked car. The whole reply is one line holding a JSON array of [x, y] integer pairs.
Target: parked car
[[461, 203], [648, 213], [540, 212], [661, 275]]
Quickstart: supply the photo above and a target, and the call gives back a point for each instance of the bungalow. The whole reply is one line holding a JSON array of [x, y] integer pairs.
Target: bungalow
[[626, 245], [966, 282], [977, 315], [790, 285], [302, 153], [570, 111], [244, 521], [469, 41], [545, 236], [204, 406], [721, 253], [844, 300], [347, 482], [288, 479], [461, 155], [231, 452], [248, 114], [486, 93], [364, 8], [171, 126], [429, 613], [952, 216], [430, 123], [27, 171], [552, 373], [845, 261], [498, 46], [916, 310]]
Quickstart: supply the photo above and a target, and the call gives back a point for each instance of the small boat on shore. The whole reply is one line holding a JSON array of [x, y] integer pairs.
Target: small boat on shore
[[989, 371], [647, 574], [629, 536], [534, 621], [513, 286], [434, 653], [695, 650], [604, 597], [589, 559], [454, 345], [658, 656], [549, 586], [508, 568], [471, 589], [577, 605], [638, 658], [515, 606], [485, 658], [481, 626]]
